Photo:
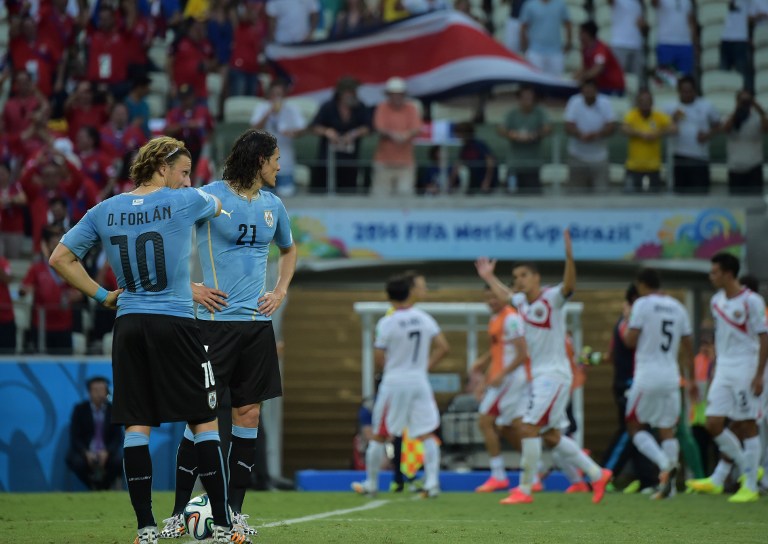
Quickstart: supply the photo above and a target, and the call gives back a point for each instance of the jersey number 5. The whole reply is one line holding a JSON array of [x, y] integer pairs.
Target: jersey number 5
[[141, 258], [666, 331]]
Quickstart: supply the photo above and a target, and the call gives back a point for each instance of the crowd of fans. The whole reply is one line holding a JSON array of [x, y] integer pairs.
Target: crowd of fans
[[78, 75]]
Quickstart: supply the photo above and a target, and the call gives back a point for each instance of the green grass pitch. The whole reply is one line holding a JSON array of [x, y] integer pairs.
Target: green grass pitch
[[107, 518]]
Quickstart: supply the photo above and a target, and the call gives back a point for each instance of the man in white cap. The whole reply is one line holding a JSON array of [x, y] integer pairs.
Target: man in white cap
[[397, 121]]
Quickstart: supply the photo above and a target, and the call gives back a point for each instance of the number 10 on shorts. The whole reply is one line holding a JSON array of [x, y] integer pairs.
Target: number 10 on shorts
[[208, 371]]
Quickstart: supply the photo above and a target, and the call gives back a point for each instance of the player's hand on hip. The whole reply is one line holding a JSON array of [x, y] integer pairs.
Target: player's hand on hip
[[757, 385], [270, 302], [485, 267], [213, 300], [111, 300]]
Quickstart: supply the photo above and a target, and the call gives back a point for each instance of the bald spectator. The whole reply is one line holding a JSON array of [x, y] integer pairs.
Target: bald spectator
[[397, 122], [541, 34], [292, 21]]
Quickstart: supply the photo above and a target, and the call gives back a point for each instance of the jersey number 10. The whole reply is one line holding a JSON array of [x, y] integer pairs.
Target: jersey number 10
[[161, 281]]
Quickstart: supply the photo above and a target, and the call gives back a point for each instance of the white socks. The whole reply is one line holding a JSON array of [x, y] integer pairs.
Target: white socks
[[572, 454], [671, 449], [571, 472], [374, 456], [751, 461], [431, 464], [531, 455], [722, 470], [647, 445], [497, 468], [731, 447]]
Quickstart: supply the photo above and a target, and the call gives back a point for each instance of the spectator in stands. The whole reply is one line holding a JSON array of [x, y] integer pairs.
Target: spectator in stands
[[7, 318], [598, 62], [190, 122], [285, 121], [166, 14], [354, 17], [745, 128], [645, 127], [512, 28], [21, 106], [118, 136], [191, 59], [137, 105], [94, 162], [696, 120], [57, 25], [103, 318], [397, 121], [341, 122], [138, 31], [431, 176], [465, 7], [35, 55], [251, 35], [735, 46], [417, 7], [541, 35], [525, 128], [12, 211], [52, 297], [477, 158], [36, 136], [392, 10], [221, 23], [86, 106], [58, 214], [676, 34], [108, 54], [628, 28], [95, 452], [292, 21], [589, 121]]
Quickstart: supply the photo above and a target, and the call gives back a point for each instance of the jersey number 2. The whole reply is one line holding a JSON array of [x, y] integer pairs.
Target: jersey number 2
[[141, 258], [667, 333]]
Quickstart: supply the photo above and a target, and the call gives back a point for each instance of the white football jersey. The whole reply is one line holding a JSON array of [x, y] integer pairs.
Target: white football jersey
[[738, 322], [662, 321], [545, 332], [406, 335], [514, 328]]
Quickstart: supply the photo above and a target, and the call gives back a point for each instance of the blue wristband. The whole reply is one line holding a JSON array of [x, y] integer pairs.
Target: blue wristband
[[101, 295]]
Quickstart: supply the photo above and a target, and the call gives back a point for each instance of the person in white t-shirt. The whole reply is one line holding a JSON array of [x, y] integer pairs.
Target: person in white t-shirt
[[676, 34], [697, 121], [628, 26], [542, 311], [292, 21], [735, 47], [285, 121], [658, 326], [408, 345], [745, 128], [741, 349], [589, 121]]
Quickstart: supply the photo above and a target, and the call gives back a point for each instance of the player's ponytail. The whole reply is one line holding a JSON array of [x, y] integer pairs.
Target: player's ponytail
[[154, 154]]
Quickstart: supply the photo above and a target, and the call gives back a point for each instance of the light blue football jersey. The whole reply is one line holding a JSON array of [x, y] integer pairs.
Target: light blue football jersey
[[234, 247], [148, 241]]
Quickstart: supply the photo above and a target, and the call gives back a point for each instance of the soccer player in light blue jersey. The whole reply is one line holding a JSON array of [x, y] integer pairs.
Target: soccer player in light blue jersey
[[237, 330], [161, 370]]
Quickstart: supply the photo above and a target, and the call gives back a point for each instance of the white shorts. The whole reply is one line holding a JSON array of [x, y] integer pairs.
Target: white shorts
[[654, 405], [732, 397], [409, 406], [508, 401], [550, 63], [547, 403]]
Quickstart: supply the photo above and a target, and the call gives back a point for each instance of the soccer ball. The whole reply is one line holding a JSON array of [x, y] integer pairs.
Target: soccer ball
[[198, 518]]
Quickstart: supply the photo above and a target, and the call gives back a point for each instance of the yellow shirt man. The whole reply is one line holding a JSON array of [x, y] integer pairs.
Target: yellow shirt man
[[644, 152], [392, 10]]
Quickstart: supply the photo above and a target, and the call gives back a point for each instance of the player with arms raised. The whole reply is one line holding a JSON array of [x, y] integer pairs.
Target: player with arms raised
[[161, 370], [741, 348], [408, 345], [658, 325], [542, 311], [237, 327]]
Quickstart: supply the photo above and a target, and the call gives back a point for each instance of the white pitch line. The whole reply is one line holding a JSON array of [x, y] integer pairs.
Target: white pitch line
[[369, 506]]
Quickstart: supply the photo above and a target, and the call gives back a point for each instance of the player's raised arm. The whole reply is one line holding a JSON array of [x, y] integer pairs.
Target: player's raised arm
[[66, 265], [486, 270], [440, 348], [569, 274]]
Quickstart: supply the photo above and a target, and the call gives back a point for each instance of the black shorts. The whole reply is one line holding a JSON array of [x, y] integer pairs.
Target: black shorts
[[244, 357], [160, 371]]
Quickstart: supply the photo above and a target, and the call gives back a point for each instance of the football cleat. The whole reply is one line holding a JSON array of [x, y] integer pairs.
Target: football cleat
[[493, 484], [174, 527], [598, 487], [361, 488], [147, 535], [537, 487], [704, 486], [228, 535], [578, 487], [430, 493], [517, 496], [744, 494], [240, 522], [667, 480]]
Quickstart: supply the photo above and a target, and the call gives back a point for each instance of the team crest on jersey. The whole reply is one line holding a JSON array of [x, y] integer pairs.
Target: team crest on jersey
[[539, 313], [212, 400], [268, 219], [737, 314]]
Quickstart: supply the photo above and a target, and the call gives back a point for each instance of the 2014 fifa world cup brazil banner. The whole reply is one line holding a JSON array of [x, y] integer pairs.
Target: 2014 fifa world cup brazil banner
[[459, 234]]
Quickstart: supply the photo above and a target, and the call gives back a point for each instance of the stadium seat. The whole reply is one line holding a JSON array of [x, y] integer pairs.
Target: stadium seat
[[616, 174], [214, 83], [761, 83], [157, 104], [158, 54], [722, 101], [710, 36], [631, 84], [160, 83], [224, 136], [710, 60], [578, 14], [716, 81], [761, 59], [238, 109], [718, 172], [456, 112], [762, 99], [307, 106], [621, 105], [760, 36], [554, 173], [572, 61], [712, 13], [301, 175], [603, 16]]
